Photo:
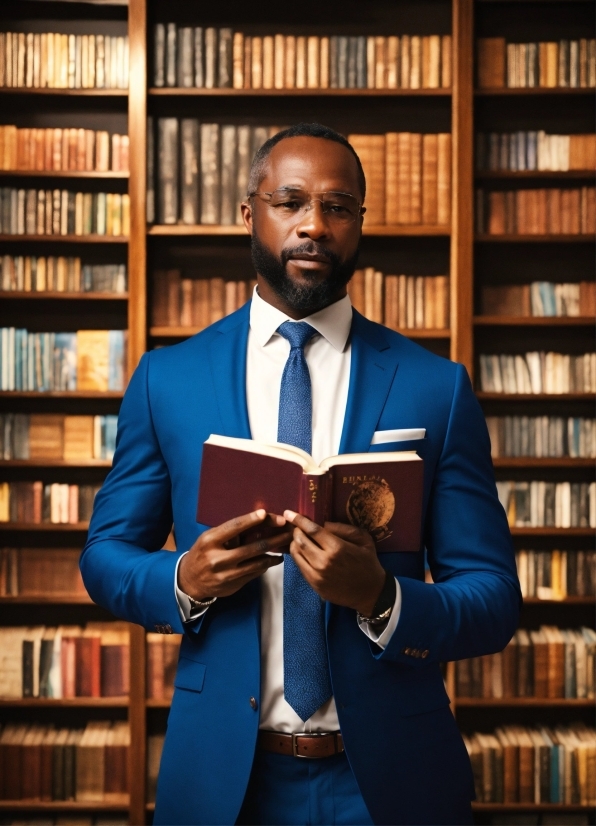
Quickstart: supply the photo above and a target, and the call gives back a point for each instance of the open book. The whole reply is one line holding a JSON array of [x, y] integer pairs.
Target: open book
[[380, 492]]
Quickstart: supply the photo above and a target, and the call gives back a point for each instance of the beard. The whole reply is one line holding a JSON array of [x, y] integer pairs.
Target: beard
[[312, 296]]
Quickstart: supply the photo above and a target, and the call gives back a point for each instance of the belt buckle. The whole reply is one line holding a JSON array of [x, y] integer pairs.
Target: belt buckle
[[295, 738]]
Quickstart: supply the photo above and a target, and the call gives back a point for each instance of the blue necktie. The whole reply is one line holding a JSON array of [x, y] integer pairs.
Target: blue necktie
[[307, 684]]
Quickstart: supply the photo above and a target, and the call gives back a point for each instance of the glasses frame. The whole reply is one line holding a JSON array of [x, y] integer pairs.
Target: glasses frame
[[361, 209]]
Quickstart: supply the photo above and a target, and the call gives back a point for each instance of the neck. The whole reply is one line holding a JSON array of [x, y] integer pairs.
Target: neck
[[268, 294]]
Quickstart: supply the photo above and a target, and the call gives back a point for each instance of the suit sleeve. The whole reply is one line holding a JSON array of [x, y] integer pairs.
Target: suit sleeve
[[473, 606], [122, 568]]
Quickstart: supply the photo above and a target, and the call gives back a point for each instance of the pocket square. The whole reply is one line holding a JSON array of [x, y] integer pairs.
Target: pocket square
[[383, 437]]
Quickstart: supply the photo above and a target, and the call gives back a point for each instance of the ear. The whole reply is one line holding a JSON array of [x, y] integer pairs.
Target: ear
[[246, 210]]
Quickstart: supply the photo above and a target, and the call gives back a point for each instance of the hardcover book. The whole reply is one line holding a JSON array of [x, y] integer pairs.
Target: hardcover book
[[379, 492]]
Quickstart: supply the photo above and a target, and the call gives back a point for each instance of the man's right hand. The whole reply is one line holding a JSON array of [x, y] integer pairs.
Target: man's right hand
[[210, 569]]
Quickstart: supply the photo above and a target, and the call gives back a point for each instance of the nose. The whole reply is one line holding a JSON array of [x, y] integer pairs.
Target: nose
[[312, 223]]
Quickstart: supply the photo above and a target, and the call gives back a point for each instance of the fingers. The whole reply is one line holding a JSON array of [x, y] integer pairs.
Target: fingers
[[348, 532], [228, 530], [320, 537], [261, 546]]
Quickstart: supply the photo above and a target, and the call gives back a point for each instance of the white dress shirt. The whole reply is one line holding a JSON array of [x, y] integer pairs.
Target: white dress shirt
[[328, 356]]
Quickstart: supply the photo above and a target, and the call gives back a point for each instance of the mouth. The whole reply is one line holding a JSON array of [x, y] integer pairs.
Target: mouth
[[308, 261]]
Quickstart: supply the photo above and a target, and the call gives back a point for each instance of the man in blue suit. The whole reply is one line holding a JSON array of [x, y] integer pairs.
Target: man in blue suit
[[334, 655]]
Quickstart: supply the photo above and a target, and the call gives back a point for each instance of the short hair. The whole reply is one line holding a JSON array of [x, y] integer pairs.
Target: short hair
[[310, 130]]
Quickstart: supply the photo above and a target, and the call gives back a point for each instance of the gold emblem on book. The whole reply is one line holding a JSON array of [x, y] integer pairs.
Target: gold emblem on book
[[370, 506]]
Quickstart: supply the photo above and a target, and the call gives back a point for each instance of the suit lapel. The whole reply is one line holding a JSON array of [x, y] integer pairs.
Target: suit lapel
[[372, 369], [227, 356]]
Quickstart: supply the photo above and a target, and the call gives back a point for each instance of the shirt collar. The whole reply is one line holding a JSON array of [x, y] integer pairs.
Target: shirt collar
[[332, 322]]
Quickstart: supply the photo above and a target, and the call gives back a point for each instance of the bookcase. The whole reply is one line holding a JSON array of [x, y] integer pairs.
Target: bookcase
[[473, 258]]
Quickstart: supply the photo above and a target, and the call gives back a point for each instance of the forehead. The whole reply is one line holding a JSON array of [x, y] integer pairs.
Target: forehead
[[315, 164]]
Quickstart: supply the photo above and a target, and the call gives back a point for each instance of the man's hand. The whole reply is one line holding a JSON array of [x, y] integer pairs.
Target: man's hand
[[339, 561], [210, 569]]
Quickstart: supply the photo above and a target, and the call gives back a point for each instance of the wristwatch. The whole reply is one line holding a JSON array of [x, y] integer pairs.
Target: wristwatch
[[384, 604]]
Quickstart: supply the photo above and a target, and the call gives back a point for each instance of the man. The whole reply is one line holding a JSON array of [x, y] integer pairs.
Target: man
[[330, 652]]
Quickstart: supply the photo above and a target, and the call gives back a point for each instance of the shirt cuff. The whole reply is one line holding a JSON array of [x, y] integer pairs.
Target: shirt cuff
[[382, 639], [187, 613]]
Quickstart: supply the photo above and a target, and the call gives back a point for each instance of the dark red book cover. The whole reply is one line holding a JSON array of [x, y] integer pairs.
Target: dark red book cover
[[114, 670], [380, 492], [88, 658]]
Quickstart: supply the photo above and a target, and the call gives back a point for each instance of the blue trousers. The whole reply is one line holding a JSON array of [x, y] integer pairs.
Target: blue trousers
[[289, 791]]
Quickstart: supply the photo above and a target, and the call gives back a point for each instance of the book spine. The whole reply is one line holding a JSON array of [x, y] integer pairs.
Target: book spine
[[315, 497]]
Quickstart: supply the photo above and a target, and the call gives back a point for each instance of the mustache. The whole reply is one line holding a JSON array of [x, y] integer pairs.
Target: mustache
[[310, 248]]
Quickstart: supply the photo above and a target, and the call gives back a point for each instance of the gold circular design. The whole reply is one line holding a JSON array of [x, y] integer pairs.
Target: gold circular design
[[370, 506]]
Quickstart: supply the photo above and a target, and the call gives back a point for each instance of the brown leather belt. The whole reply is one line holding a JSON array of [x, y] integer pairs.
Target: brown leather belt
[[311, 745]]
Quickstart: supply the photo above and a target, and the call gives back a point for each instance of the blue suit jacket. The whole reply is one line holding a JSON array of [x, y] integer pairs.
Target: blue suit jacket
[[401, 739]]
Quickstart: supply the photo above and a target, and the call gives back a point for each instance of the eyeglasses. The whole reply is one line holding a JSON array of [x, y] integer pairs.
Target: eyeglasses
[[291, 204]]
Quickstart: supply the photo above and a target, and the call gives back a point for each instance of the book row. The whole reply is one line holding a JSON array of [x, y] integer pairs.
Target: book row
[[61, 274], [34, 436], [60, 212], [30, 572], [221, 58], [538, 372], [200, 170], [41, 762], [535, 150], [67, 661], [162, 661], [548, 662], [408, 177], [62, 150], [51, 60], [85, 360], [542, 436], [555, 575], [401, 302], [536, 211], [195, 302], [38, 502], [540, 298], [562, 64], [540, 504], [518, 764]]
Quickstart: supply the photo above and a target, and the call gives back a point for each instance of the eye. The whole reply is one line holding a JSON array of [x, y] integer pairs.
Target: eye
[[290, 205]]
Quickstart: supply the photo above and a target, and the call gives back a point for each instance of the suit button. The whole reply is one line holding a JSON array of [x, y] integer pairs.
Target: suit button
[[424, 653], [416, 653], [159, 628], [253, 703], [167, 629], [407, 651]]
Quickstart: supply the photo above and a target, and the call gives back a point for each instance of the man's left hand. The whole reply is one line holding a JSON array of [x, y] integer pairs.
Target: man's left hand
[[338, 561]]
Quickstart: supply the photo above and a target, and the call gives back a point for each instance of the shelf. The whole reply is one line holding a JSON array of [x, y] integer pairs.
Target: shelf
[[48, 599], [194, 92], [89, 93], [535, 90], [533, 397], [555, 532], [69, 239], [41, 295], [523, 702], [527, 174], [61, 394], [566, 601], [236, 229], [153, 703], [533, 321], [534, 239], [118, 804], [43, 526], [65, 702], [531, 807], [41, 173], [87, 463], [542, 462]]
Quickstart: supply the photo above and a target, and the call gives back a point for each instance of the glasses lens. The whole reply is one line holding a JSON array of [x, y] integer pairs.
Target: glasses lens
[[338, 207]]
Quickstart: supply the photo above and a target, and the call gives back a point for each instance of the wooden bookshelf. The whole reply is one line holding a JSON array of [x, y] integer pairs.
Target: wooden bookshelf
[[6, 463], [462, 108], [6, 295]]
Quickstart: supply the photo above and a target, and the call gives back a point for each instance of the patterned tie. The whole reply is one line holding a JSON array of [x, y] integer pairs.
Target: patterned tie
[[307, 684]]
